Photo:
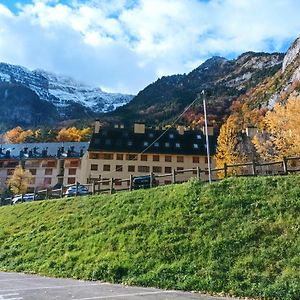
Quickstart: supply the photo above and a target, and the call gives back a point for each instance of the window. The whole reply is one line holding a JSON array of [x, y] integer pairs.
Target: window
[[168, 170], [74, 163], [168, 181], [177, 145], [108, 156], [168, 158], [156, 169], [167, 144], [119, 168], [71, 180], [106, 167], [144, 169], [72, 171], [118, 182], [119, 156], [293, 163], [129, 143], [179, 158], [97, 141], [93, 155], [171, 136], [94, 167], [144, 157], [131, 168], [196, 146], [196, 159], [32, 181], [146, 144], [108, 142], [10, 171], [151, 135], [179, 168], [155, 157], [12, 164], [51, 164], [198, 136], [47, 181], [48, 171], [131, 157], [156, 144], [106, 181], [32, 171], [206, 160]]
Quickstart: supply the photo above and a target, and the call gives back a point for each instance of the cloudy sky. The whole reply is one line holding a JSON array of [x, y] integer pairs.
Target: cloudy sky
[[123, 45]]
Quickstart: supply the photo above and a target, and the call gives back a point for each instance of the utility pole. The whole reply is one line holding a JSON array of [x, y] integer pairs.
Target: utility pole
[[206, 135]]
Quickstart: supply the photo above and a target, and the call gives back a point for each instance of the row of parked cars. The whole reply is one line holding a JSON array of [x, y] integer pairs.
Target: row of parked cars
[[70, 192], [139, 182]]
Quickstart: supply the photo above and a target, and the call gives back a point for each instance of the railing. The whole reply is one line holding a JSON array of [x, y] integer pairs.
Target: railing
[[113, 185]]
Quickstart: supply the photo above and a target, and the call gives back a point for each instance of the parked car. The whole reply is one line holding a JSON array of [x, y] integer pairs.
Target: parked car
[[143, 182], [71, 191], [26, 198]]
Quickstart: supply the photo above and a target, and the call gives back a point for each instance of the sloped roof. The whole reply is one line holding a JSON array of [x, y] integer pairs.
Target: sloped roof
[[192, 142]]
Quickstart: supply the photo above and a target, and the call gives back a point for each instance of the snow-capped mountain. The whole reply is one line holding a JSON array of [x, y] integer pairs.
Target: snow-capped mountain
[[63, 92]]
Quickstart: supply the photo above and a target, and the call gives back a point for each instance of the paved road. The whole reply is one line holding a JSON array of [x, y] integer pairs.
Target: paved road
[[17, 286]]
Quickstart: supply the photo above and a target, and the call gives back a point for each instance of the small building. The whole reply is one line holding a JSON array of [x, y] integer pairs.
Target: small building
[[50, 164], [118, 152]]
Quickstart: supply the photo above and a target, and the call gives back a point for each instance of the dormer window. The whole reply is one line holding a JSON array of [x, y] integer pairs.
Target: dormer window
[[196, 146]]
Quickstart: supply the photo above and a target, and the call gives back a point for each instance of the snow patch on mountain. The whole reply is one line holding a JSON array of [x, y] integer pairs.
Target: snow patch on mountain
[[62, 91]]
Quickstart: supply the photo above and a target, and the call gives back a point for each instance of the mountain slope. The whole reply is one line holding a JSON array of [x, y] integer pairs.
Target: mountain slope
[[224, 80], [70, 99]]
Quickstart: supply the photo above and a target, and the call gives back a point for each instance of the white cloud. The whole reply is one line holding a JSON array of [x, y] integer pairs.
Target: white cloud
[[126, 44]]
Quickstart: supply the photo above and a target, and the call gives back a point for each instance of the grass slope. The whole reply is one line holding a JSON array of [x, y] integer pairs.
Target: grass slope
[[240, 236]]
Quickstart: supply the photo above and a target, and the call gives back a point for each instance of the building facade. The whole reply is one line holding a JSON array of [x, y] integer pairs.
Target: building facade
[[50, 164], [120, 152]]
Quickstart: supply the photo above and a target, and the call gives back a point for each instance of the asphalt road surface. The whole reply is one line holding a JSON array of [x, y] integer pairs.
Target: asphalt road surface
[[18, 286]]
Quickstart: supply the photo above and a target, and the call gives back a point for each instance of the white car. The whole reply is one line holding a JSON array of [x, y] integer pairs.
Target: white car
[[26, 198], [71, 191]]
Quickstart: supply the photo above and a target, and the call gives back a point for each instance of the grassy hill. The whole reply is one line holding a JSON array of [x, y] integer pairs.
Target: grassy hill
[[240, 236]]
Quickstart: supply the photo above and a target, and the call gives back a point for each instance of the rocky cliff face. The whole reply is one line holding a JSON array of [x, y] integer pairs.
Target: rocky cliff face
[[223, 80], [68, 98], [291, 54]]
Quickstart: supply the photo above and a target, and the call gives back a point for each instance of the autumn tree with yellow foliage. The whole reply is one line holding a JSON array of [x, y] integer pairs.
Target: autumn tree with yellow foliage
[[227, 151], [73, 134], [281, 135], [19, 181]]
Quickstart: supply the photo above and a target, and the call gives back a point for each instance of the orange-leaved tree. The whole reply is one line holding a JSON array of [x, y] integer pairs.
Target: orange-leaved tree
[[17, 135]]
